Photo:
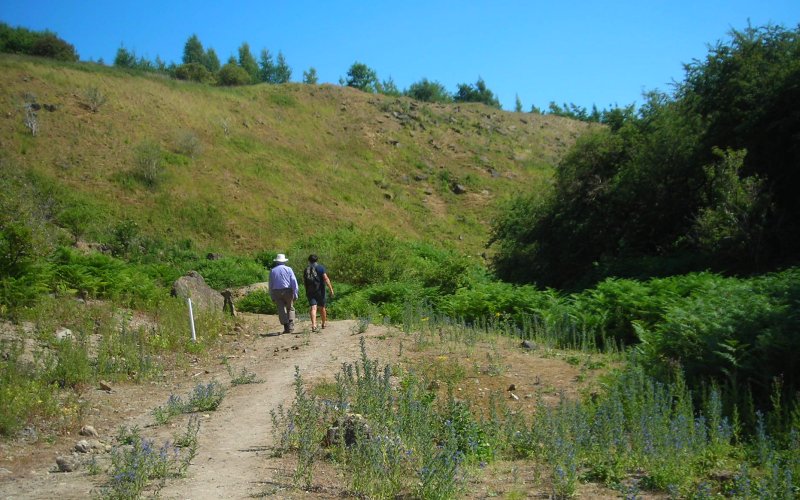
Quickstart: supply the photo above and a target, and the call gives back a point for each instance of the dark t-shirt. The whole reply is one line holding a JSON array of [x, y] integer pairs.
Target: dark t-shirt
[[321, 288]]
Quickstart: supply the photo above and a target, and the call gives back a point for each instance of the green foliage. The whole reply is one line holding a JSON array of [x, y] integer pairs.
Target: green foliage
[[388, 87], [231, 272], [282, 73], [362, 77], [231, 75], [35, 43], [124, 238], [206, 397], [310, 76], [734, 331], [24, 394], [147, 160], [76, 219], [732, 224], [746, 90], [127, 59], [243, 378], [428, 91], [396, 443], [16, 247], [211, 61], [195, 72], [24, 289], [49, 45], [102, 276], [68, 365], [135, 466], [598, 219], [266, 66], [258, 302], [193, 51], [476, 93], [25, 238], [635, 199], [248, 62]]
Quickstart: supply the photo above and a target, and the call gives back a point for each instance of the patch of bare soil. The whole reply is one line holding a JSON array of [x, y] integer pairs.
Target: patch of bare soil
[[234, 458]]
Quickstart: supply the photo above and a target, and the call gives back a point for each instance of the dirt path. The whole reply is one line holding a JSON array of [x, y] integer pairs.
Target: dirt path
[[235, 440], [233, 459]]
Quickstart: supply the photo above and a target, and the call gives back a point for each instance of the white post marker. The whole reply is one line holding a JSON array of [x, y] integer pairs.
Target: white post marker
[[191, 319]]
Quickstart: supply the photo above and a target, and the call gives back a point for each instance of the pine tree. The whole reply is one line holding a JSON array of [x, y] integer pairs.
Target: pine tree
[[211, 61], [310, 76], [266, 66], [248, 62], [283, 73], [193, 51]]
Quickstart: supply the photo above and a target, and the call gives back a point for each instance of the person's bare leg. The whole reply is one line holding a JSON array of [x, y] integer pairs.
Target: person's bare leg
[[314, 317], [324, 316]]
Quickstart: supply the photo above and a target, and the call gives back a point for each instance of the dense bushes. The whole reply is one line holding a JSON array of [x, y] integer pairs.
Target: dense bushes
[[741, 333], [35, 43], [703, 179], [102, 276], [737, 332]]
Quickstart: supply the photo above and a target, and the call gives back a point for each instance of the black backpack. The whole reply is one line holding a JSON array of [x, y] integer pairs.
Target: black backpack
[[311, 278]]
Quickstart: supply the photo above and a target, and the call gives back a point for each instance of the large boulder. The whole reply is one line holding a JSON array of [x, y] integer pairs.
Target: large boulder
[[243, 291], [194, 286]]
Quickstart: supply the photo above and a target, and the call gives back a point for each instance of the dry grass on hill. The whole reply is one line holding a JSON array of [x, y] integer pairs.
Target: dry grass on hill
[[248, 168]]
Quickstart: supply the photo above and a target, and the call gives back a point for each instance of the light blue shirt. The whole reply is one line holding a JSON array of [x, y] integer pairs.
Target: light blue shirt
[[281, 277]]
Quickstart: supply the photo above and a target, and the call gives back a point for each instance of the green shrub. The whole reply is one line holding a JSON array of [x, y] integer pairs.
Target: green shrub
[[24, 290], [231, 272], [68, 364], [23, 394], [258, 302], [195, 72], [124, 354], [103, 276], [148, 163], [739, 331], [232, 75]]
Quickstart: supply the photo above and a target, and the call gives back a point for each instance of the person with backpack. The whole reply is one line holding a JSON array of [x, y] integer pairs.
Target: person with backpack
[[283, 291], [315, 279]]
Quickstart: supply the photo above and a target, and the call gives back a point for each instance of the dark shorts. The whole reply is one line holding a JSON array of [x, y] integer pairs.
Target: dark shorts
[[316, 299]]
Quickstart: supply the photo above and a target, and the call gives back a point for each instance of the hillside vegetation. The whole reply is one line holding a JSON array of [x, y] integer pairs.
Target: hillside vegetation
[[249, 168], [668, 236]]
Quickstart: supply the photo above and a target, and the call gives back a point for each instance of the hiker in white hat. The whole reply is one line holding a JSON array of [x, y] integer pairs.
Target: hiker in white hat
[[283, 290]]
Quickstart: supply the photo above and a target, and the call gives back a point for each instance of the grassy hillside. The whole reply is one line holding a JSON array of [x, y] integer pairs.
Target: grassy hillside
[[243, 169]]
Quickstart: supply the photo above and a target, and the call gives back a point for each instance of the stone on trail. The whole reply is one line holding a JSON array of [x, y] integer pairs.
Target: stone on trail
[[65, 464], [88, 430], [83, 446]]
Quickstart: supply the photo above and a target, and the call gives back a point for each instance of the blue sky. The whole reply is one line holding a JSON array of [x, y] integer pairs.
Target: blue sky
[[600, 52]]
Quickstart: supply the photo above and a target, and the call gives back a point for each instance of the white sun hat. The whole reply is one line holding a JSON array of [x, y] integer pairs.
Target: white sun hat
[[281, 258]]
